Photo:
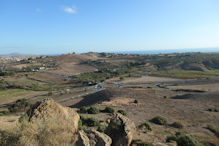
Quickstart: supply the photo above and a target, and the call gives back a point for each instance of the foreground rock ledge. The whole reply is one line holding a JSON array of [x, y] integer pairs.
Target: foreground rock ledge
[[124, 134], [93, 138], [48, 109]]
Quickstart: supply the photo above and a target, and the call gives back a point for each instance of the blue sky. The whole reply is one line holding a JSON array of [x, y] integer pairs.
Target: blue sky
[[62, 26]]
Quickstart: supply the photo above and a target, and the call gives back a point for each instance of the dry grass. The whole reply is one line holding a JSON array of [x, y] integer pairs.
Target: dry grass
[[39, 133], [119, 102]]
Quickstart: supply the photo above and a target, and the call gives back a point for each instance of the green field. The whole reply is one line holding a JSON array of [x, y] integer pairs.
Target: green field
[[187, 74], [10, 95]]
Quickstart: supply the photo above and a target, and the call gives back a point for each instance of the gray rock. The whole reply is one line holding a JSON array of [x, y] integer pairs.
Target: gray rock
[[93, 138]]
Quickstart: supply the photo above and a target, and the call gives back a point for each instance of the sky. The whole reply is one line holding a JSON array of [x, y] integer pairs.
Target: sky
[[62, 26]]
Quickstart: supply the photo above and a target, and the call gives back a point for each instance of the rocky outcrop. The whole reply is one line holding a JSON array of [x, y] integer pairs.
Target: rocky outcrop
[[121, 130], [92, 138], [48, 109]]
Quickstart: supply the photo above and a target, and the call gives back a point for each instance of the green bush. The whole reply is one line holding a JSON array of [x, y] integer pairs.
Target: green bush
[[81, 126], [2, 113], [93, 110], [183, 139], [102, 127], [146, 126], [19, 106], [136, 101], [122, 112], [109, 109], [177, 125], [171, 138], [83, 109], [121, 78], [187, 140], [89, 121], [159, 120]]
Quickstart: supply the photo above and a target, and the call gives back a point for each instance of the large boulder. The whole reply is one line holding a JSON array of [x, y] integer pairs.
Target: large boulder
[[93, 138], [48, 110], [121, 130]]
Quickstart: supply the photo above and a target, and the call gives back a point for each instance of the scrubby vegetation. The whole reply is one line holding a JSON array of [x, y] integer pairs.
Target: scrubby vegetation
[[213, 110], [102, 128], [136, 101], [105, 66], [159, 120], [147, 127], [109, 109], [19, 106], [177, 124], [183, 139], [88, 121], [7, 73], [123, 112], [186, 74], [93, 110], [3, 113], [213, 130], [83, 109], [28, 133]]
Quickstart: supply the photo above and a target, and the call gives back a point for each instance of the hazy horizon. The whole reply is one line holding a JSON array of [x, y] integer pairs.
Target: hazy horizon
[[156, 51]]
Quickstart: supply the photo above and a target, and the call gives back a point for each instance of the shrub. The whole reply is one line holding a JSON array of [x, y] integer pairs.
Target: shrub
[[177, 125], [122, 112], [93, 110], [83, 109], [102, 127], [109, 109], [19, 106], [212, 110], [136, 101], [81, 126], [89, 121], [146, 126], [183, 139], [121, 78], [171, 138], [213, 130], [159, 120], [187, 140], [50, 93], [2, 113]]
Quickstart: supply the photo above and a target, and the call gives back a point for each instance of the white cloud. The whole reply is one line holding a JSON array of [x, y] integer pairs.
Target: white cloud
[[71, 10]]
